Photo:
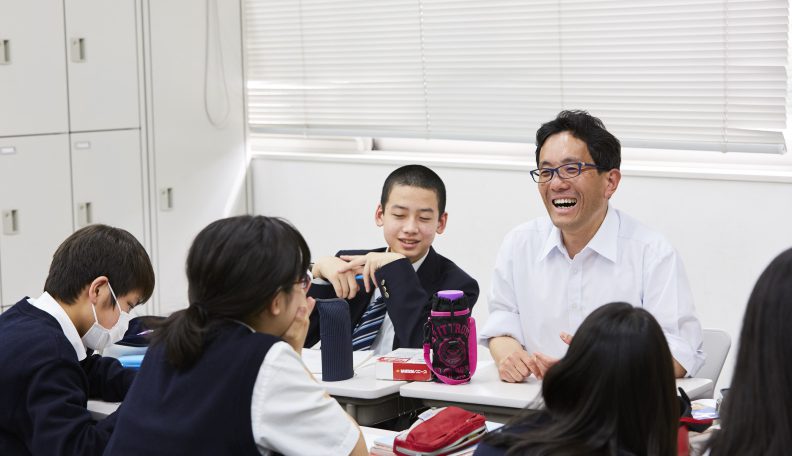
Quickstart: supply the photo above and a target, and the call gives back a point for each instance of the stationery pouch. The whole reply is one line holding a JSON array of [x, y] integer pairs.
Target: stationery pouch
[[336, 336], [450, 334], [440, 432]]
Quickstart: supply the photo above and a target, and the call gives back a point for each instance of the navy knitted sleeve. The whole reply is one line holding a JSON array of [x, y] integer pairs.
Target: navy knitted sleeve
[[60, 423], [107, 379]]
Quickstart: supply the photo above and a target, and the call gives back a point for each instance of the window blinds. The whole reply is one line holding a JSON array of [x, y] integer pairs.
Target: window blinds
[[693, 74]]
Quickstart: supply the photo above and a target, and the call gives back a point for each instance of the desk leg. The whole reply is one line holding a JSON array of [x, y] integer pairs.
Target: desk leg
[[369, 412], [351, 409]]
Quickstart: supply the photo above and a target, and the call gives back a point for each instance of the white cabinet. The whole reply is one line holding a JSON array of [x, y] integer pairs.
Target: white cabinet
[[200, 168], [102, 42], [32, 68], [152, 163], [107, 180], [94, 42], [35, 202], [70, 137]]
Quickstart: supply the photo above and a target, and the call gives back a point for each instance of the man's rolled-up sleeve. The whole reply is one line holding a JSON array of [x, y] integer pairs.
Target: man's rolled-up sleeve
[[668, 297], [504, 313]]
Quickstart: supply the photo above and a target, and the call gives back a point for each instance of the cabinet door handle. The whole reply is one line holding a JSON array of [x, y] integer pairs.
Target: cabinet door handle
[[84, 214], [11, 222], [5, 52], [166, 199], [78, 50]]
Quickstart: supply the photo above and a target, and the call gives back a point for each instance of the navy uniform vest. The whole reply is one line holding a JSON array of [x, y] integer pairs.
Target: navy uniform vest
[[201, 410]]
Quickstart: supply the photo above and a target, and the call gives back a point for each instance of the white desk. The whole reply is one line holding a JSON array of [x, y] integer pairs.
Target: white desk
[[371, 401], [499, 401], [363, 385], [696, 388], [485, 393], [368, 400], [100, 409]]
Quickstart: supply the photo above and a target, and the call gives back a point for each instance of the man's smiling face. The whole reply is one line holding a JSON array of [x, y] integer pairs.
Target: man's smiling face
[[576, 205]]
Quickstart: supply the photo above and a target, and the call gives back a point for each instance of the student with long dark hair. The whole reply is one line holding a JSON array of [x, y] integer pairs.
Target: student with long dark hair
[[757, 413], [224, 376], [611, 394]]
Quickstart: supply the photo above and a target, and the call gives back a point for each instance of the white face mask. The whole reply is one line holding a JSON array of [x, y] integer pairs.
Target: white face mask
[[98, 337]]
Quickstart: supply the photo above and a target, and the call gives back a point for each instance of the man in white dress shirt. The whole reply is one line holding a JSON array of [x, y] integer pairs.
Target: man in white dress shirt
[[553, 271]]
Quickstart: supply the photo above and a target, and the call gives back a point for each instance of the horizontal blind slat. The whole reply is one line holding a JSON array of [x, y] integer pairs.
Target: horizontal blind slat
[[710, 73]]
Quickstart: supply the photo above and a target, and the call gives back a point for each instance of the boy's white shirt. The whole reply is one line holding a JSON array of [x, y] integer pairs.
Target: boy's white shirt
[[48, 304]]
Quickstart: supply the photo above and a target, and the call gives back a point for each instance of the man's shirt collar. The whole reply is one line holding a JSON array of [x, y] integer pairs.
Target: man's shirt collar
[[604, 242]]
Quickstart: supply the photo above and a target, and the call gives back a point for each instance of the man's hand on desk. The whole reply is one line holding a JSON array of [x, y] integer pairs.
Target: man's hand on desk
[[519, 365], [339, 274], [515, 364]]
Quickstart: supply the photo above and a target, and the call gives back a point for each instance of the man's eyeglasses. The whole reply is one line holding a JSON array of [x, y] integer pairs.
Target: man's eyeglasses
[[565, 171], [306, 280]]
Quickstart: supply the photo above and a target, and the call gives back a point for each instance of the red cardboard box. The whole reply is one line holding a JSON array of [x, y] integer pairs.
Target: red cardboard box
[[403, 364]]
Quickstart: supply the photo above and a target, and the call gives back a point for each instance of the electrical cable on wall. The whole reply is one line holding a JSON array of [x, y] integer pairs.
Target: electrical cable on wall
[[213, 37]]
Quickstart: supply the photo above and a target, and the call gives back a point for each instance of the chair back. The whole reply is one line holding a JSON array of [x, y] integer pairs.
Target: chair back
[[716, 344]]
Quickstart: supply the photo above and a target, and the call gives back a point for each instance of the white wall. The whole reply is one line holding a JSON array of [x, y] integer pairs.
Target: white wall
[[726, 231]]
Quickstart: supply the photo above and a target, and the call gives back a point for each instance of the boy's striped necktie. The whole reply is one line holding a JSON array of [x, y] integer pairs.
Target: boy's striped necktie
[[366, 331]]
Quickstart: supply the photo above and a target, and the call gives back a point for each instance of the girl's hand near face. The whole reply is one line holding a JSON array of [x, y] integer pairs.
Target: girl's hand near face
[[295, 334]]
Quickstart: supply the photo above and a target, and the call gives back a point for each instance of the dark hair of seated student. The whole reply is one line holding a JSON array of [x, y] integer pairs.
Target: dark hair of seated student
[[613, 393], [235, 268], [415, 176], [756, 417], [99, 250]]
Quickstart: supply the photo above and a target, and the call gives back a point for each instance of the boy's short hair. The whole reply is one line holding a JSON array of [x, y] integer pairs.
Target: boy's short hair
[[415, 176], [99, 250]]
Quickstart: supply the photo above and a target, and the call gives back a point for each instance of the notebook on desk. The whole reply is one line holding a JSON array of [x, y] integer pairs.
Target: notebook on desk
[[131, 361]]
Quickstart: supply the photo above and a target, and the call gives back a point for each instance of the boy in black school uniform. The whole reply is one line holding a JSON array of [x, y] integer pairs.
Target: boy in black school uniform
[[390, 310], [47, 369]]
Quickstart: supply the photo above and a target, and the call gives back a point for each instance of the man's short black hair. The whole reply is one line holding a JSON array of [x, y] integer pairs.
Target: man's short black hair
[[415, 176], [604, 148], [99, 250]]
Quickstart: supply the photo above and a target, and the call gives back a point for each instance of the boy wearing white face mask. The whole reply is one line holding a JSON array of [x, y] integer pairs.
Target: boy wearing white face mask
[[47, 367], [98, 337]]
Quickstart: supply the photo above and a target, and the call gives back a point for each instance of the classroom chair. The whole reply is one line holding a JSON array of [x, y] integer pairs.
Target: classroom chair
[[716, 344]]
